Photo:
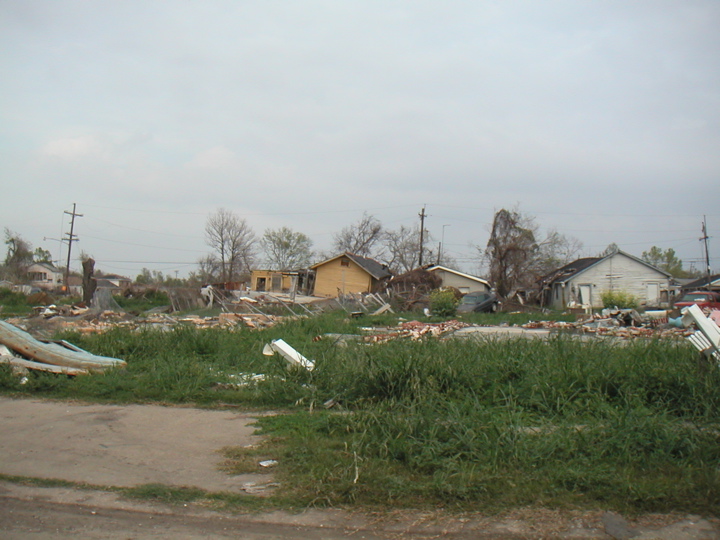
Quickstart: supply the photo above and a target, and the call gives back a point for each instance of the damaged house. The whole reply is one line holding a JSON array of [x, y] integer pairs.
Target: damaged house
[[583, 281], [348, 273], [288, 281], [465, 283]]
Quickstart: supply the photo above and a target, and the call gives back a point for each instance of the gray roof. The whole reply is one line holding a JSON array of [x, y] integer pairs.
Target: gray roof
[[371, 266], [702, 282], [570, 270]]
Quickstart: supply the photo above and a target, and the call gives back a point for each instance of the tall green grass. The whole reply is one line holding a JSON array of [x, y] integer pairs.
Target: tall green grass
[[456, 423]]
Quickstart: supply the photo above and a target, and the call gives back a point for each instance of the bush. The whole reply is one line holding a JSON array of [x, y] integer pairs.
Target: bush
[[443, 302], [10, 298], [619, 299]]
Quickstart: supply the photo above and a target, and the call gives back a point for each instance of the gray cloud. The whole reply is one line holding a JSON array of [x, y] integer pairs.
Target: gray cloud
[[602, 119]]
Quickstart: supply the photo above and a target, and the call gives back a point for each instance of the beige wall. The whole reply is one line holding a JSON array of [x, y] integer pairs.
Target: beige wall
[[332, 277], [463, 284]]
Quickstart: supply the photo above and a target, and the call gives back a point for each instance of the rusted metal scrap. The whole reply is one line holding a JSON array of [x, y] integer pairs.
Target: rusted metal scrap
[[62, 354]]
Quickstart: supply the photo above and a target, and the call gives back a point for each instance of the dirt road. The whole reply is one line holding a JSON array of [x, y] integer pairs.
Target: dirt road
[[114, 445], [122, 445]]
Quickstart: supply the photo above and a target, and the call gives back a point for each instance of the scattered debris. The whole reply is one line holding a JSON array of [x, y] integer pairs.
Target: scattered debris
[[290, 354], [415, 330], [56, 357], [707, 337], [253, 488], [626, 324], [268, 463]]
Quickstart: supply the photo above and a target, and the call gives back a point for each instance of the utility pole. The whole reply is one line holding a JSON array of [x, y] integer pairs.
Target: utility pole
[[70, 239], [422, 231], [707, 253], [442, 243]]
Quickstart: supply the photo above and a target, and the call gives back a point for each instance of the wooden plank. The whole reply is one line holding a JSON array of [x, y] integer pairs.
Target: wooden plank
[[51, 353], [39, 366]]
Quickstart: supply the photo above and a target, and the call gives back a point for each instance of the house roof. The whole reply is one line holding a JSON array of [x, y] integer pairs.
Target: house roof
[[703, 282], [371, 266], [48, 266], [433, 267], [115, 276], [570, 270]]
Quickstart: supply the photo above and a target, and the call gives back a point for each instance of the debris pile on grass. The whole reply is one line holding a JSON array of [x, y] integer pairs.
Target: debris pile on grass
[[625, 324], [415, 330], [410, 290], [23, 352]]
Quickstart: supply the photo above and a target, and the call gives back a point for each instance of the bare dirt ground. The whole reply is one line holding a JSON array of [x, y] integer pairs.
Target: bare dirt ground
[[114, 445]]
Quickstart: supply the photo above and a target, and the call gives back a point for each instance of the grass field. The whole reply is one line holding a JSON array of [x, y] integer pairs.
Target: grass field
[[461, 424]]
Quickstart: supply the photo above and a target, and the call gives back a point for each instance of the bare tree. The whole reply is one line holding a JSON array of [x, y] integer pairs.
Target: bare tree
[[510, 250], [517, 256], [208, 270], [18, 257], [360, 238], [554, 251], [403, 249], [233, 241], [286, 249]]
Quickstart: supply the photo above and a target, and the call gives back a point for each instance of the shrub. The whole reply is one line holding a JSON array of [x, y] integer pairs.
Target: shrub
[[10, 298], [443, 302], [619, 299]]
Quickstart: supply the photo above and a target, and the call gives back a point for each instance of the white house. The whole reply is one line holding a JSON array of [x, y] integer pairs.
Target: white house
[[465, 283], [585, 280], [45, 276]]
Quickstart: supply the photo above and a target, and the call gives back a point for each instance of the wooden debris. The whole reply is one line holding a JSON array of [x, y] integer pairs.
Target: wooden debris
[[56, 354]]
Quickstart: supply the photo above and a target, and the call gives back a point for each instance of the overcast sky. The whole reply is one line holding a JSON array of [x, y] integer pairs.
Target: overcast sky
[[599, 118]]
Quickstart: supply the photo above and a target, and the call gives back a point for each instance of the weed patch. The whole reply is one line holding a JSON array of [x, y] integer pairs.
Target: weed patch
[[471, 425]]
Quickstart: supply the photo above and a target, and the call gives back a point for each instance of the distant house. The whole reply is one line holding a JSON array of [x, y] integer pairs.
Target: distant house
[[583, 281], [348, 273], [115, 280], [703, 283], [465, 283], [45, 276]]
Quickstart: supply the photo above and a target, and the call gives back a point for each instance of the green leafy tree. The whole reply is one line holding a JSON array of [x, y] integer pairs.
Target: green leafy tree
[[286, 249], [666, 260], [41, 255]]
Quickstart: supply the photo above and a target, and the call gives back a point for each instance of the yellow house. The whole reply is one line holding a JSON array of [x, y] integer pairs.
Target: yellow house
[[347, 273], [299, 281], [270, 281]]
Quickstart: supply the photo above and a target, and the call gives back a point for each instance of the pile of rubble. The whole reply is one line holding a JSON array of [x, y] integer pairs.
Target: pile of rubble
[[414, 330], [621, 323], [23, 352]]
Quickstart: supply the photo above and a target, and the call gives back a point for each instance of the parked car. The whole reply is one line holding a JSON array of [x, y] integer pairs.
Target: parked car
[[478, 302], [703, 299]]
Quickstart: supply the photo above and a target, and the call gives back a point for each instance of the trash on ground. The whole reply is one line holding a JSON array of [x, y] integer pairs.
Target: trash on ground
[[707, 337], [290, 354]]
